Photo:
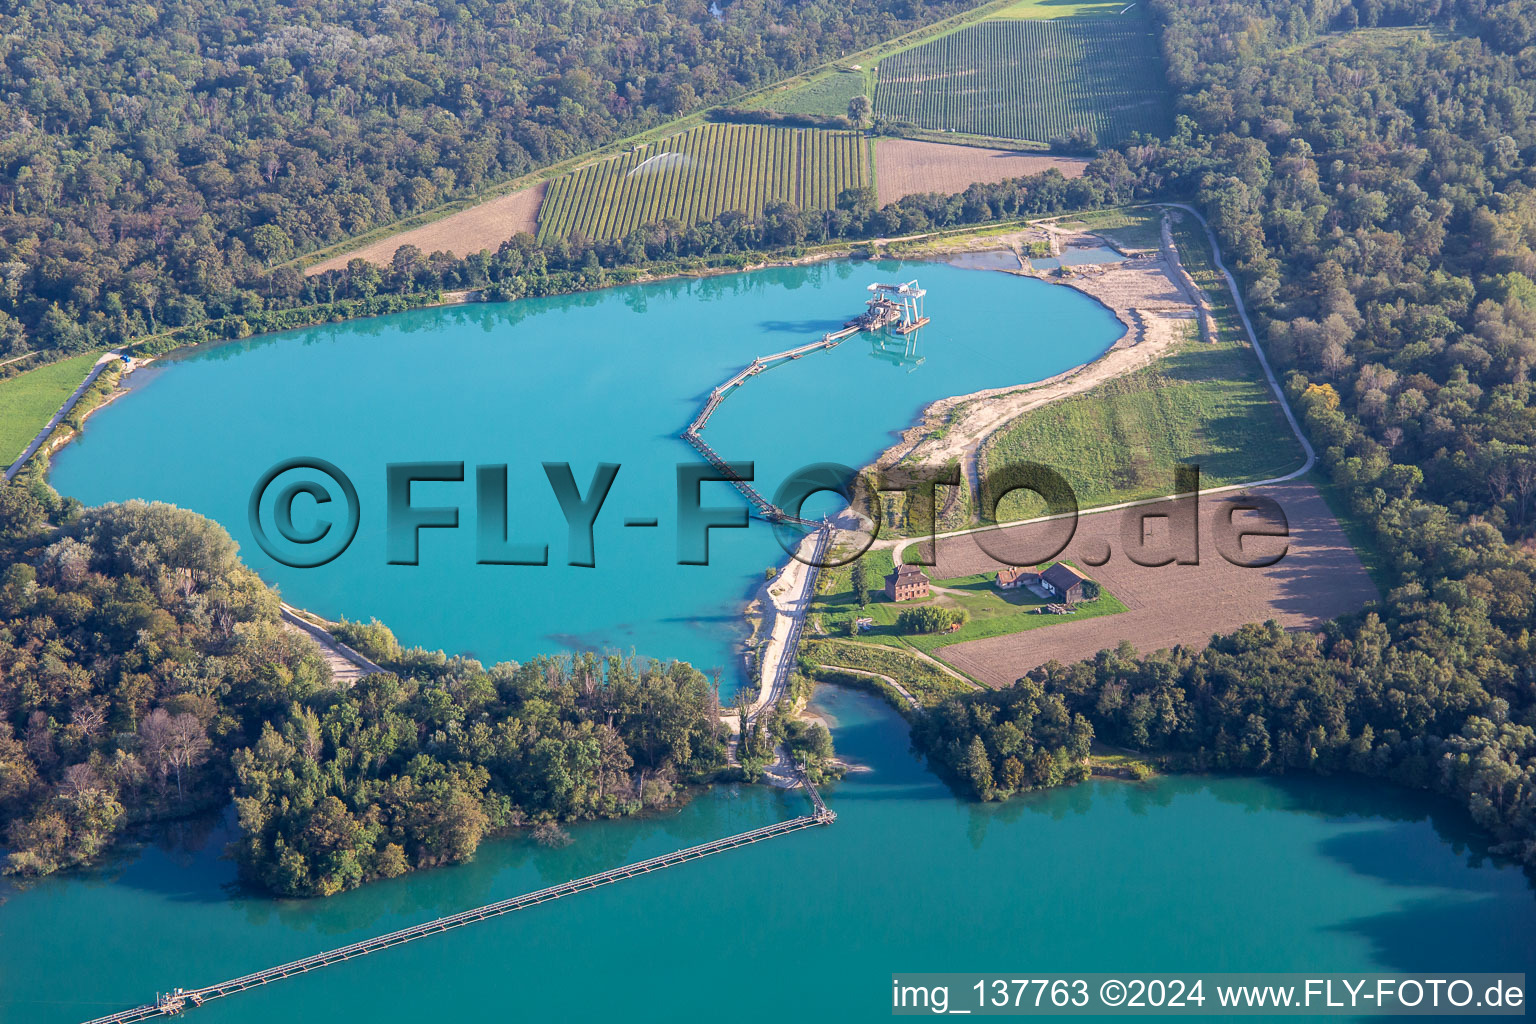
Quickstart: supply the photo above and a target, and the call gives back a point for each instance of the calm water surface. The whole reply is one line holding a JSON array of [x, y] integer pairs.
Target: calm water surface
[[1181, 874], [611, 376]]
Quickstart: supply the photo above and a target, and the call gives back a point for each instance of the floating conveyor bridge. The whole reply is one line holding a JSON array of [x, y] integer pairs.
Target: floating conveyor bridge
[[178, 1000]]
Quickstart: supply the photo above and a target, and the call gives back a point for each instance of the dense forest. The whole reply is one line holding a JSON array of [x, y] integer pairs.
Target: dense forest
[[1376, 195], [144, 673], [157, 162], [1007, 741]]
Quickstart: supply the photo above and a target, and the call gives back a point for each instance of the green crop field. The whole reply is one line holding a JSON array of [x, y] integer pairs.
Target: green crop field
[[1203, 404], [1063, 8], [1030, 79], [829, 95], [28, 400], [701, 173]]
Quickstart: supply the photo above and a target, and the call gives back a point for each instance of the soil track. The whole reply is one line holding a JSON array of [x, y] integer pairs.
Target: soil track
[[484, 226], [1319, 578], [906, 166]]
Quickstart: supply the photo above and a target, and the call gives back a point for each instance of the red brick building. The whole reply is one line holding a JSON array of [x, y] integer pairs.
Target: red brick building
[[907, 583]]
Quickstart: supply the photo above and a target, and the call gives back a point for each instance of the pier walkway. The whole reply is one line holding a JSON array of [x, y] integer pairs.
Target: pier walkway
[[178, 1000], [897, 307]]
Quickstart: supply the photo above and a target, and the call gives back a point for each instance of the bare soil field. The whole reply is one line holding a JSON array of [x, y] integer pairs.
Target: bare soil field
[[1319, 577], [907, 166], [484, 226]]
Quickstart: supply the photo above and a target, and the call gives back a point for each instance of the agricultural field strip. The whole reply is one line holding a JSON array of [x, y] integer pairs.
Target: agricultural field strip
[[718, 168], [1031, 80], [551, 173]]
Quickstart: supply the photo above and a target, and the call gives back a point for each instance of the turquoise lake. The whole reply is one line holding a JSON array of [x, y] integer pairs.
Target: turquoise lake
[[1214, 874], [611, 376]]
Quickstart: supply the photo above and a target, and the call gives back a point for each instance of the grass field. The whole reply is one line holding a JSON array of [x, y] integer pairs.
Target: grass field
[[1134, 228], [1203, 404], [1194, 247], [1032, 79], [928, 684], [704, 172], [1367, 41], [1206, 404], [991, 612], [828, 95], [29, 400], [1062, 8]]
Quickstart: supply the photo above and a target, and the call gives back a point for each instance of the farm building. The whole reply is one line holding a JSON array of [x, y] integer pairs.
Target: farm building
[[907, 583], [1064, 581], [1010, 577]]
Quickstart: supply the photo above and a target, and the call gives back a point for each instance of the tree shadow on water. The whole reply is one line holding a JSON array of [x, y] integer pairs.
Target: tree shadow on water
[[1444, 934], [1473, 908], [807, 327]]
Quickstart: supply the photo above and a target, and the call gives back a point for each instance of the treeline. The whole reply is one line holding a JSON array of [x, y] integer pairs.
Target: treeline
[[1379, 206], [284, 297], [156, 163], [145, 673], [1000, 742], [809, 743], [523, 266], [762, 115], [132, 645]]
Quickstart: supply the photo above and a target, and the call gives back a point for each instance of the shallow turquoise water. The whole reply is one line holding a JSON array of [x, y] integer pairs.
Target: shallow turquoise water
[[611, 376], [1182, 874]]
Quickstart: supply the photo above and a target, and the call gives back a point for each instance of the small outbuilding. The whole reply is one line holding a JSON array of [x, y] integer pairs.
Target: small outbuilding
[[1064, 582], [907, 583], [1011, 577]]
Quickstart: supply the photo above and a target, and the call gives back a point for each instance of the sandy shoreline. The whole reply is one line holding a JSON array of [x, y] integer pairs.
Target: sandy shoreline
[[1142, 292]]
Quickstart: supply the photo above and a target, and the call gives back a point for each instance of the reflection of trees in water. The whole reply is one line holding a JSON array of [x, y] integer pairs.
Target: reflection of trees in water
[[493, 316], [1056, 804], [1383, 849], [182, 840], [1358, 798]]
